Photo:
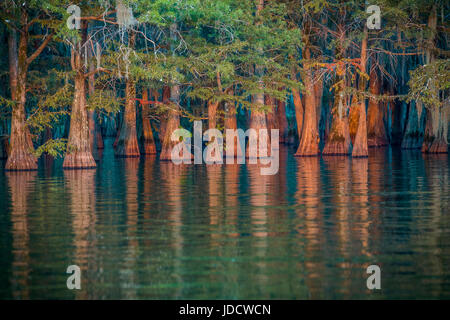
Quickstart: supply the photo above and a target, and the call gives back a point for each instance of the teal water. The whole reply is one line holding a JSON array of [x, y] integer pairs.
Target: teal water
[[144, 229]]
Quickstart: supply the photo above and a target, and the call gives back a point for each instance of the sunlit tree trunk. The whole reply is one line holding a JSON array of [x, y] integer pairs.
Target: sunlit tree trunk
[[21, 147], [360, 147], [127, 145], [309, 137], [339, 142], [79, 154], [376, 133], [148, 142]]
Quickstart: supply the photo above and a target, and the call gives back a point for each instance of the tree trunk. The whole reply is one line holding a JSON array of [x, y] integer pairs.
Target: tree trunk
[[435, 131], [21, 155], [413, 137], [339, 142], [91, 114], [172, 123], [212, 114], [376, 133], [164, 117], [148, 142], [360, 147], [258, 116], [282, 121], [436, 124], [127, 145], [79, 154], [258, 122], [318, 93], [271, 116], [231, 123], [309, 137]]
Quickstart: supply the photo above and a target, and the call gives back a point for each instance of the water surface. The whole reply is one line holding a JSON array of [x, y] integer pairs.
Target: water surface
[[145, 229]]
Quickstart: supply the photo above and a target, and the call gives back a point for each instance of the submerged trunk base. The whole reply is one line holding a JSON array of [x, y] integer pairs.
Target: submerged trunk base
[[19, 160], [79, 160], [433, 145], [377, 142]]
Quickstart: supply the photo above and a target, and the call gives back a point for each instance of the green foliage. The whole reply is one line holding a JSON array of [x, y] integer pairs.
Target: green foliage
[[430, 83], [54, 147]]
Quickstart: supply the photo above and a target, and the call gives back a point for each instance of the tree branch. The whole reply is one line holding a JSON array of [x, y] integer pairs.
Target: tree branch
[[39, 50]]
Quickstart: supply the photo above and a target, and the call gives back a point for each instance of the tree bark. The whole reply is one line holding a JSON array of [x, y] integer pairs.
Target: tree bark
[[376, 132], [258, 116], [271, 116], [435, 131], [339, 142], [127, 145], [79, 154], [230, 122], [148, 142], [91, 114], [21, 146], [173, 123], [413, 136], [437, 121], [282, 121], [309, 137], [360, 147]]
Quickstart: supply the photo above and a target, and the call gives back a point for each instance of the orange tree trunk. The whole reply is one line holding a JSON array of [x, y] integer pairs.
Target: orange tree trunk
[[79, 154], [230, 122], [376, 133], [172, 123], [21, 147], [127, 144], [339, 142], [309, 138], [148, 142], [360, 147], [258, 122], [299, 111]]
